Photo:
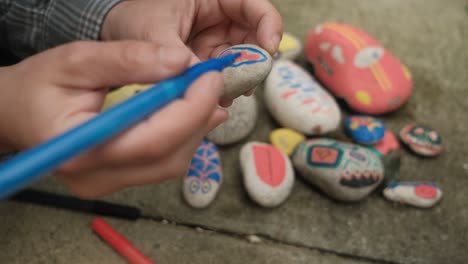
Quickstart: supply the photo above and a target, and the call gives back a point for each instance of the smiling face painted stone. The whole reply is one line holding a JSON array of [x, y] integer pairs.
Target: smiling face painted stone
[[204, 178], [418, 194], [422, 140], [298, 101], [357, 68], [247, 72], [345, 172]]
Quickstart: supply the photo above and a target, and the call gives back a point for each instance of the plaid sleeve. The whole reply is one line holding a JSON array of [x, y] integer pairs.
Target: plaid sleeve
[[31, 26]]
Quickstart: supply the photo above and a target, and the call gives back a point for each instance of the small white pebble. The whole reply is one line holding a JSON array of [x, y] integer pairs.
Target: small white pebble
[[199, 229], [164, 221], [254, 239]]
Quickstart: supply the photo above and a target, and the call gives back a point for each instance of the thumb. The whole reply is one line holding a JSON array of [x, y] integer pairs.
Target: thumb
[[102, 64]]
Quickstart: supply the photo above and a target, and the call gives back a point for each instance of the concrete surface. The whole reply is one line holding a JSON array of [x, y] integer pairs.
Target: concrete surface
[[430, 37]]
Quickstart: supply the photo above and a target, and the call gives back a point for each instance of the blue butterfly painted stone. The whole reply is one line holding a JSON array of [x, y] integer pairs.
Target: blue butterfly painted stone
[[204, 177], [365, 130]]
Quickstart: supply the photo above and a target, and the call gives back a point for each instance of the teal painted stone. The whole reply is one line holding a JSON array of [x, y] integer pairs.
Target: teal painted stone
[[346, 172]]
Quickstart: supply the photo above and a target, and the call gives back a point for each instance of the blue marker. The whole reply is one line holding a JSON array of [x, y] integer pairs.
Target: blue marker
[[30, 165]]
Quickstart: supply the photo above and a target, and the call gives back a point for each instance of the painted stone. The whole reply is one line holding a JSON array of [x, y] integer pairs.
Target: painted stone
[[268, 173], [418, 194], [204, 177], [243, 114], [289, 49], [286, 139], [365, 129], [345, 172], [358, 69], [388, 144], [123, 93], [297, 101], [247, 72], [421, 139]]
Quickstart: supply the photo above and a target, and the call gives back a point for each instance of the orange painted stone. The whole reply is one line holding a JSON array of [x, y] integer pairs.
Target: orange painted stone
[[358, 69]]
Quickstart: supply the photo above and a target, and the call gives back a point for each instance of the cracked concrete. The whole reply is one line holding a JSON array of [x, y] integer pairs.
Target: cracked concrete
[[430, 38]]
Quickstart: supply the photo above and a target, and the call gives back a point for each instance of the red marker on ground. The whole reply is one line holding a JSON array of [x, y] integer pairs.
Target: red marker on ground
[[119, 243]]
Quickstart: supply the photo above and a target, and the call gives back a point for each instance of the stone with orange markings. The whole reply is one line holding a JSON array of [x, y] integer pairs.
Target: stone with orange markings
[[247, 72], [345, 172], [358, 69], [286, 139], [418, 194], [267, 172], [297, 101]]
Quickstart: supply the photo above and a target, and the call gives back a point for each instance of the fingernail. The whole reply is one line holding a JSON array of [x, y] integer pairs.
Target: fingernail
[[275, 41]]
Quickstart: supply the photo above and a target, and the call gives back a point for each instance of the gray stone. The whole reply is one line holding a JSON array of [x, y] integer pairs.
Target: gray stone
[[243, 114], [247, 72], [345, 172]]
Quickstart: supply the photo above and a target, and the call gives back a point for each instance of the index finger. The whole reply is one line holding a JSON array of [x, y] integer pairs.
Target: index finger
[[261, 16]]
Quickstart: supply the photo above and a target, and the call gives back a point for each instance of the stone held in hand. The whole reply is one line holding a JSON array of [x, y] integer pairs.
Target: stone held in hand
[[422, 140], [296, 100], [286, 139], [247, 72], [418, 194], [358, 69], [365, 130], [290, 48], [267, 172], [243, 115], [345, 172], [204, 177]]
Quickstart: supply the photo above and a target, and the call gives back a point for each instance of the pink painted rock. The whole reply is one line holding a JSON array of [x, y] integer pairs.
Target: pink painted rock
[[296, 100], [204, 177], [388, 144], [418, 194], [268, 173], [358, 69]]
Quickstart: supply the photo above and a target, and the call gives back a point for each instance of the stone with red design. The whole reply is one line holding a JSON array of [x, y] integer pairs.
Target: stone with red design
[[422, 140], [296, 100], [247, 72], [418, 194], [204, 177], [345, 172], [267, 172], [358, 69], [387, 145]]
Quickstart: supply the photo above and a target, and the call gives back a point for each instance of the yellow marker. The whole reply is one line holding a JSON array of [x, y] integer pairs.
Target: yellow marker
[[122, 94], [363, 97], [286, 139]]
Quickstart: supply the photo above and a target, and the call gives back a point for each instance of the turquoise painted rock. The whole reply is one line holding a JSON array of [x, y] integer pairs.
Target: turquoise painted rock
[[345, 172], [204, 177], [422, 140], [365, 130], [418, 194]]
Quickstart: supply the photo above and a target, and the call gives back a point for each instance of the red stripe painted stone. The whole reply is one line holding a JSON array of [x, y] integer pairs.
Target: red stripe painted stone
[[269, 164]]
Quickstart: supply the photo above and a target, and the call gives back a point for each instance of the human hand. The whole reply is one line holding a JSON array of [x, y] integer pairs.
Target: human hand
[[53, 91], [205, 26]]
